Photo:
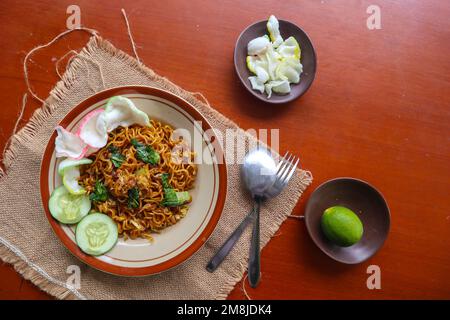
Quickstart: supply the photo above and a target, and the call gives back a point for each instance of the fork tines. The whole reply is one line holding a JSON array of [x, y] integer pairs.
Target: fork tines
[[286, 167]]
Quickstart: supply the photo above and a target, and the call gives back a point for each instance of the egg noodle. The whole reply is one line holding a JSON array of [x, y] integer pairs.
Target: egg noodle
[[150, 216]]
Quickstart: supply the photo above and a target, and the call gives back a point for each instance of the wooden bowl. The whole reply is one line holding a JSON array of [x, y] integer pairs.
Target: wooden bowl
[[361, 198], [308, 59]]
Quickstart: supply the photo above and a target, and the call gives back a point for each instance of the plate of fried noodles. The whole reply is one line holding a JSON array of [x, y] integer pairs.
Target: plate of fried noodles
[[133, 180]]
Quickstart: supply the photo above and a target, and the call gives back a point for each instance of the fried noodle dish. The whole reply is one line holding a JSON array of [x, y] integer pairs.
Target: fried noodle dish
[[140, 179]]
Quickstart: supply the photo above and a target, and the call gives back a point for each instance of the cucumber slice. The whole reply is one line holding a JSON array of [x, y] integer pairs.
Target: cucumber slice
[[96, 234], [70, 181], [68, 163], [68, 208]]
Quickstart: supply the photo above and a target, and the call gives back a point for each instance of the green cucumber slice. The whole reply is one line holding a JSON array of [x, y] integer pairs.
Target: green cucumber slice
[[68, 208], [68, 163], [96, 234]]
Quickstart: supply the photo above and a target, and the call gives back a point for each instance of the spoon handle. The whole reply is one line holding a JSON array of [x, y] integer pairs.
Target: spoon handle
[[215, 262], [254, 264]]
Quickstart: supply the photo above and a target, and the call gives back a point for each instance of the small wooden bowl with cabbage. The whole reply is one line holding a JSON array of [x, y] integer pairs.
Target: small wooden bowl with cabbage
[[275, 60]]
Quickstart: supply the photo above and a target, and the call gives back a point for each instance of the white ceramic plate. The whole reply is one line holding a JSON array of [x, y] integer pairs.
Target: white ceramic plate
[[176, 243]]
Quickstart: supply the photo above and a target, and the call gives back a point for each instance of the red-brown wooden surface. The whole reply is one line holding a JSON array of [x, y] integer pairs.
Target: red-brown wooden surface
[[378, 110]]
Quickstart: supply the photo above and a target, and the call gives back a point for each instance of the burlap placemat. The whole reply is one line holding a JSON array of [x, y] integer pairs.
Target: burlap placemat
[[28, 242]]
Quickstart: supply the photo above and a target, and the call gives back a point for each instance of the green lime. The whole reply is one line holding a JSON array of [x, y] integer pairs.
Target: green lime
[[341, 226]]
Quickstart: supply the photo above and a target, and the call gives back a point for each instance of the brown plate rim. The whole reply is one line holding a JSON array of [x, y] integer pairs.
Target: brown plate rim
[[104, 266], [260, 96], [308, 227]]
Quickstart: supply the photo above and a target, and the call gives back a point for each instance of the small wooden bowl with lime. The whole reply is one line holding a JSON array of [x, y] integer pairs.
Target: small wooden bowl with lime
[[348, 219]]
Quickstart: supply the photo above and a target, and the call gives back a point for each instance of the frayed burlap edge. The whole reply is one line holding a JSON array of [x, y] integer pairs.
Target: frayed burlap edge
[[36, 275], [8, 253]]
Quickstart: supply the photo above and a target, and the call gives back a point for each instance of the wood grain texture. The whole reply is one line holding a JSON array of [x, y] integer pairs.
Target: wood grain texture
[[378, 110]]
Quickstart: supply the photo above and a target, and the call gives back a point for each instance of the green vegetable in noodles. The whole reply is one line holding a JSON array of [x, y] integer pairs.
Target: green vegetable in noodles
[[173, 198], [133, 198], [145, 153], [116, 157], [100, 193]]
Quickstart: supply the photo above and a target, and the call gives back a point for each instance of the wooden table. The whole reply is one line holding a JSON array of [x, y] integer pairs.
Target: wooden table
[[378, 110]]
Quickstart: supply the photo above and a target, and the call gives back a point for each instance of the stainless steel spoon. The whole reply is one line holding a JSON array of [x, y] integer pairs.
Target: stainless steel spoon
[[258, 173]]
